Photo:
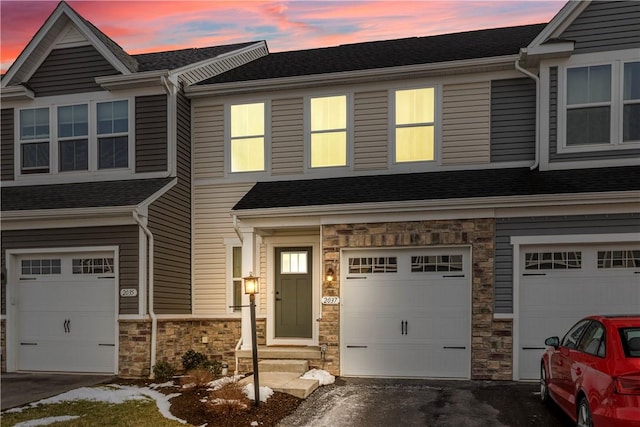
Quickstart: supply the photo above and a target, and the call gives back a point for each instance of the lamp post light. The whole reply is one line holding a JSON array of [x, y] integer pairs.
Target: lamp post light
[[251, 288]]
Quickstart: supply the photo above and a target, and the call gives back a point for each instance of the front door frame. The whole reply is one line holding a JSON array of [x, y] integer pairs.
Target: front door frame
[[272, 243]]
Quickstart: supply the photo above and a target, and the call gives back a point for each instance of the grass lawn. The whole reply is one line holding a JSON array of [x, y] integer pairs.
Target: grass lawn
[[134, 413]]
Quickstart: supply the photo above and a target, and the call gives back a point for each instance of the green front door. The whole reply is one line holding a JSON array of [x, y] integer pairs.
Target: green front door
[[293, 293]]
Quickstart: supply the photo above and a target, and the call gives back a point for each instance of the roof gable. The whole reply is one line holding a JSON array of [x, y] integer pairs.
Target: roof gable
[[65, 27]]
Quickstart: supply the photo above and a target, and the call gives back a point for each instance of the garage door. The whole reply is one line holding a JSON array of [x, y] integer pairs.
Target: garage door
[[66, 313], [561, 284], [406, 313]]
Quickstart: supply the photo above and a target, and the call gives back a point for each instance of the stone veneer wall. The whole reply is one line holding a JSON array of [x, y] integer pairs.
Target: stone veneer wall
[[175, 338], [491, 339]]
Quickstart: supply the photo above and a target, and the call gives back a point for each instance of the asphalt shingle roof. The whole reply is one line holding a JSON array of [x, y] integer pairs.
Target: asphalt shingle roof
[[80, 195], [438, 186], [383, 54], [179, 58]]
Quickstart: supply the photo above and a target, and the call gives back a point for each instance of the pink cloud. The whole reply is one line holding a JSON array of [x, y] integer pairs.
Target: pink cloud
[[149, 26]]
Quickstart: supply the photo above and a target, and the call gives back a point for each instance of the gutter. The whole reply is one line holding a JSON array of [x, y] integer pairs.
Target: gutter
[[523, 55], [154, 319]]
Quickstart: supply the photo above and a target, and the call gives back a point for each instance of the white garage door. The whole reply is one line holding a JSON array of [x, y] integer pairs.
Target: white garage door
[[406, 313], [561, 284], [66, 312]]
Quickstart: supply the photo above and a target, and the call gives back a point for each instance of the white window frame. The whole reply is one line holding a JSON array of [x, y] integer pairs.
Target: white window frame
[[21, 142], [616, 60], [54, 161], [437, 127], [230, 244], [267, 139], [349, 132]]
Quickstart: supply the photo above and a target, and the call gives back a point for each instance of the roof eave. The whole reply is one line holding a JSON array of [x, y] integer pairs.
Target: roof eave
[[16, 93], [136, 80], [497, 63], [205, 69], [493, 202]]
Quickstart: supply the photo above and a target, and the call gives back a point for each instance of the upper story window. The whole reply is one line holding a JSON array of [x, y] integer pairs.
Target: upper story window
[[328, 133], [113, 140], [602, 106], [631, 102], [73, 137], [247, 146], [414, 125], [87, 136], [34, 140]]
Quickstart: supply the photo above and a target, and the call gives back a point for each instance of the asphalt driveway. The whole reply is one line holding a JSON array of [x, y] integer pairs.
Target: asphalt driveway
[[391, 402], [18, 389]]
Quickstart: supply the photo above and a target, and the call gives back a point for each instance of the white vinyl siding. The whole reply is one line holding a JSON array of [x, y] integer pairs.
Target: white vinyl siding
[[371, 130], [466, 123], [208, 140], [287, 136], [211, 226]]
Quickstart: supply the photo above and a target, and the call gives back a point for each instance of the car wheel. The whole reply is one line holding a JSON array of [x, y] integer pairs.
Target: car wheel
[[584, 414], [544, 385]]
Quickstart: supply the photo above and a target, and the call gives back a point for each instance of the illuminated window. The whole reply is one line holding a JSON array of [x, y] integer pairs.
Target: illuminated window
[[415, 125], [328, 131], [293, 262], [247, 137]]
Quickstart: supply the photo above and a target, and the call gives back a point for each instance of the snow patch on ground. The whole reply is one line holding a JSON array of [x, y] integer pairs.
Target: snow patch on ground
[[46, 421], [163, 385], [265, 392], [323, 377], [113, 393], [219, 383]]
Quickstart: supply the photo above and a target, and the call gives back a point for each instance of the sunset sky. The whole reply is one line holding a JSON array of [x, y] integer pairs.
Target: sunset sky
[[151, 26]]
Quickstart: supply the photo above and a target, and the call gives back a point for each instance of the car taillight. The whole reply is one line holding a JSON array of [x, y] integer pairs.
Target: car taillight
[[628, 384]]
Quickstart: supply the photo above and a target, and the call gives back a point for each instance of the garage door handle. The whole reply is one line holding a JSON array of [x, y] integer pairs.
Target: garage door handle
[[356, 277], [454, 348], [106, 277], [453, 275], [28, 343], [106, 345], [357, 346], [534, 274], [534, 348]]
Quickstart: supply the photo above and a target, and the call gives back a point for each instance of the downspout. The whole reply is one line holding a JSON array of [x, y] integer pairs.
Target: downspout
[[239, 343], [152, 313], [535, 78]]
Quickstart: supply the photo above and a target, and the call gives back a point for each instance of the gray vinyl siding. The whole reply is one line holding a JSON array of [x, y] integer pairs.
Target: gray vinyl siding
[[170, 223], [125, 237], [606, 25], [551, 225], [70, 70], [554, 156], [370, 130], [151, 133], [287, 136], [6, 144], [513, 120]]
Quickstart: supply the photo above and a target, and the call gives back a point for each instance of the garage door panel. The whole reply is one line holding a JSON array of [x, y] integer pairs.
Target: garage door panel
[[66, 322], [552, 301], [407, 323]]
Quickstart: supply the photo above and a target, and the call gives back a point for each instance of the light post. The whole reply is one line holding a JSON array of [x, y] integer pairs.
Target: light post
[[252, 287]]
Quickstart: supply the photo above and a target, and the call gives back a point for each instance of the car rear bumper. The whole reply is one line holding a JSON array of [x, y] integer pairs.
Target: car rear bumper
[[624, 413]]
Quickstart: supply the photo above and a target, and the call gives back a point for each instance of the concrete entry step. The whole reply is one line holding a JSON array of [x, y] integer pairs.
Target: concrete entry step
[[285, 382], [288, 365], [283, 352]]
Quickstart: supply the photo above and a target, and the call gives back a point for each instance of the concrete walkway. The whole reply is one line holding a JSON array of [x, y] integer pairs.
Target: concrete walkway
[[18, 389]]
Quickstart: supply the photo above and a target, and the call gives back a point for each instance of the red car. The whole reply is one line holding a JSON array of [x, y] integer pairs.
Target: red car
[[593, 373]]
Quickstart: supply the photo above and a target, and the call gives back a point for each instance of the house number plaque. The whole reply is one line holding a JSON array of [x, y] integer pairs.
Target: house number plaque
[[128, 292], [330, 300]]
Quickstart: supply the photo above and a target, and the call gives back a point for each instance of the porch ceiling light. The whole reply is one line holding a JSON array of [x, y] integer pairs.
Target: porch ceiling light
[[251, 285], [330, 275]]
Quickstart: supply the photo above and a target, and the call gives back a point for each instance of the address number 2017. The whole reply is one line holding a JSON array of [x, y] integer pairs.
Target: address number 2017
[[330, 300]]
